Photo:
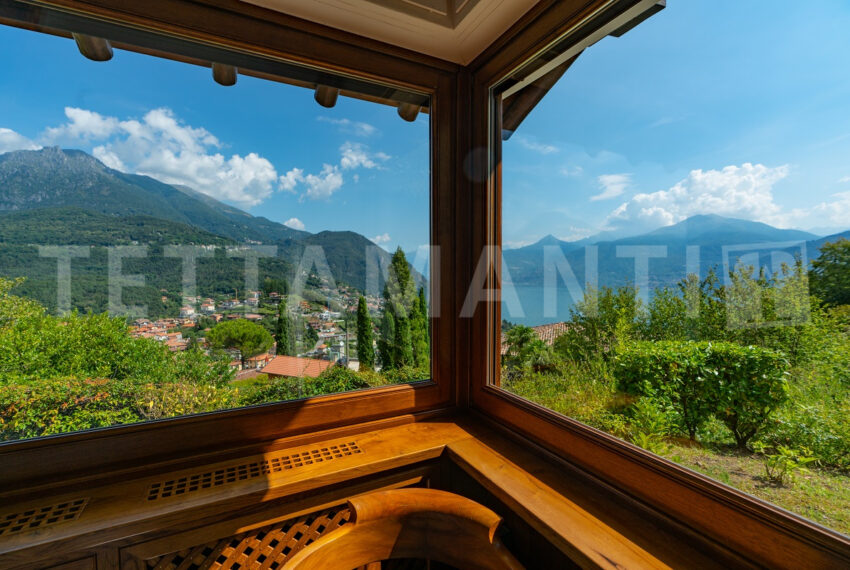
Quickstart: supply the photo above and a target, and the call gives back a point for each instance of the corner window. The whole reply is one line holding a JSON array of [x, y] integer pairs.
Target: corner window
[[200, 233], [676, 241]]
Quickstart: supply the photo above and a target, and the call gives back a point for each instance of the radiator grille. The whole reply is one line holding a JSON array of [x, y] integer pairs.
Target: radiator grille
[[268, 547], [49, 515], [250, 470]]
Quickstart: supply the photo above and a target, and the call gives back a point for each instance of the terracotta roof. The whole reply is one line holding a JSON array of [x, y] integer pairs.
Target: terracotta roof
[[546, 333], [296, 367]]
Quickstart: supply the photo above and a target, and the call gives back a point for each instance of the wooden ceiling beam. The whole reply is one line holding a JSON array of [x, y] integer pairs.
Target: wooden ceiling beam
[[96, 49]]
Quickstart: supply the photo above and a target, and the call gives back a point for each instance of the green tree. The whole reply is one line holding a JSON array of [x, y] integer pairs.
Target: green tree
[[419, 334], [523, 347], [248, 338], [396, 343], [386, 340], [311, 337], [365, 348], [283, 330], [830, 274], [13, 307], [601, 321]]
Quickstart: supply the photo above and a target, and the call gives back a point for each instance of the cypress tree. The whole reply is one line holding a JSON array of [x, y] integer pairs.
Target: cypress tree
[[419, 331], [365, 349], [402, 347], [283, 331], [385, 343]]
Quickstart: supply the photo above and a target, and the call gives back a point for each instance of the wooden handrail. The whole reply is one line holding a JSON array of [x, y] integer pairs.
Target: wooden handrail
[[411, 523]]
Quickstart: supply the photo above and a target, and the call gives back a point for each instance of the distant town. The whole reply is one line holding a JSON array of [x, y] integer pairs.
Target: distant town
[[322, 334]]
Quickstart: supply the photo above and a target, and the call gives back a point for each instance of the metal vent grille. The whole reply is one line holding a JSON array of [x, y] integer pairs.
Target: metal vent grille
[[41, 517], [243, 471]]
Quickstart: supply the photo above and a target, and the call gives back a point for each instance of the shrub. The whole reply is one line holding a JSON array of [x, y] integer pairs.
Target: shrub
[[334, 380], [740, 385], [671, 373], [750, 384], [50, 406], [177, 399], [280, 390]]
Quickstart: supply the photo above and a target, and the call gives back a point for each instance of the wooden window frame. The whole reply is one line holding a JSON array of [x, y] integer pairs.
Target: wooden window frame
[[247, 29], [756, 528]]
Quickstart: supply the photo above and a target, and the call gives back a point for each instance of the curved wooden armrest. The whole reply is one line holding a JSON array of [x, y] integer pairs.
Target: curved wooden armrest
[[411, 523]]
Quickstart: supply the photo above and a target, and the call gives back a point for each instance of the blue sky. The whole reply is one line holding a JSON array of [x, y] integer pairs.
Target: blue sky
[[265, 147], [711, 106], [720, 106]]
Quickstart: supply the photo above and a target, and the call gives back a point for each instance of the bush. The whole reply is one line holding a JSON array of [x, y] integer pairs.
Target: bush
[[740, 385], [280, 390], [178, 399], [51, 406], [334, 380], [671, 373]]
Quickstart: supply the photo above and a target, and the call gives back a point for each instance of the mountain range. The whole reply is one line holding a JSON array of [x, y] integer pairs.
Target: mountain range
[[710, 233], [62, 197]]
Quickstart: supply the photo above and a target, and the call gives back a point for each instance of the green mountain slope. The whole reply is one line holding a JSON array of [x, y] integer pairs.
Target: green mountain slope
[[711, 233], [51, 178]]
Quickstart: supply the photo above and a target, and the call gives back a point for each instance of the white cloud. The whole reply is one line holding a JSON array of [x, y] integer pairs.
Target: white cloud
[[612, 185], [382, 239], [844, 179], [10, 140], [294, 223], [324, 184], [351, 127], [744, 191], [109, 158], [536, 146], [829, 214], [567, 171], [82, 125], [291, 179], [356, 155], [163, 147]]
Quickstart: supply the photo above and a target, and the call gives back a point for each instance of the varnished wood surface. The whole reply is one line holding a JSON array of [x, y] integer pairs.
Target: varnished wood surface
[[411, 523], [582, 524], [237, 26]]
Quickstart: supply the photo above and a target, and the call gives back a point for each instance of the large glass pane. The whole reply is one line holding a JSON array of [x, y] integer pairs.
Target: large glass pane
[[170, 246], [676, 233]]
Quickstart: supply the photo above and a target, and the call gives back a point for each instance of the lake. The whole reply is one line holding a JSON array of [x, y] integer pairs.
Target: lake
[[530, 307]]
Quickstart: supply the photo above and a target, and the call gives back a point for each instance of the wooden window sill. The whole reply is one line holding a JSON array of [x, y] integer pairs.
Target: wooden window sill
[[593, 525]]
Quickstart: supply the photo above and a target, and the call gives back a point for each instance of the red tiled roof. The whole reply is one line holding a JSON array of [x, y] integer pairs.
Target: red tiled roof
[[296, 367], [546, 333]]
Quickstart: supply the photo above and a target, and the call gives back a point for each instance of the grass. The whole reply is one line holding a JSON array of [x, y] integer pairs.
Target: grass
[[819, 495], [246, 383], [586, 392]]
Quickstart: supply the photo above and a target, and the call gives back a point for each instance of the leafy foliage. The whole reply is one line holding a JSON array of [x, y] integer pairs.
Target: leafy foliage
[[404, 339], [248, 338], [365, 337], [740, 385], [831, 273]]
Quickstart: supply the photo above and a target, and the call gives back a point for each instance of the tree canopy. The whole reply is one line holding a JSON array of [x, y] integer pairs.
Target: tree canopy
[[248, 338], [830, 275], [365, 348]]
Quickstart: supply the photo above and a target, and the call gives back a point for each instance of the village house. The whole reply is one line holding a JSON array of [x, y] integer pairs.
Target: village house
[[296, 367]]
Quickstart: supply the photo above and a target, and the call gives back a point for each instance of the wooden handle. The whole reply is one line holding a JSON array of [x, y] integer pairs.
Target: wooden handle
[[411, 523]]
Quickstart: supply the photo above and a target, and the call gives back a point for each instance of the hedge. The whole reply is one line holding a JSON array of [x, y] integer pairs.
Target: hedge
[[739, 385]]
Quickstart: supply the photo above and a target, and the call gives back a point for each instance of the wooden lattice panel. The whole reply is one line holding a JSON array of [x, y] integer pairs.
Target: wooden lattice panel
[[249, 470], [23, 521], [263, 548]]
